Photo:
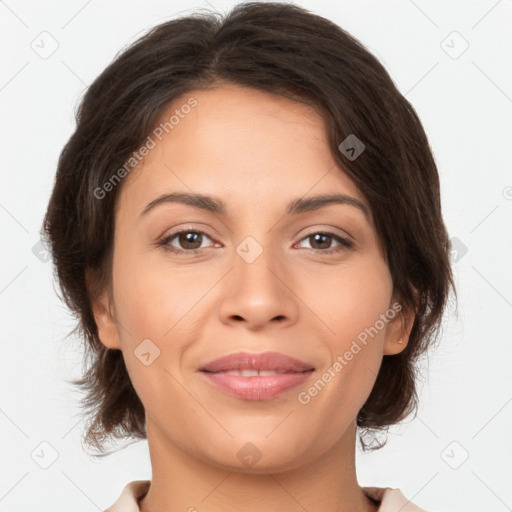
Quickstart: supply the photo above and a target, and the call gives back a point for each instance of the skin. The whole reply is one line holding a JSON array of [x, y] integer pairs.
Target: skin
[[242, 145]]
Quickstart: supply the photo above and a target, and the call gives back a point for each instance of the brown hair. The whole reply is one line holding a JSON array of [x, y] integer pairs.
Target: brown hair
[[283, 49]]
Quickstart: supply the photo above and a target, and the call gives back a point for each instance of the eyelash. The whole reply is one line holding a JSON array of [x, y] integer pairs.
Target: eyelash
[[164, 243]]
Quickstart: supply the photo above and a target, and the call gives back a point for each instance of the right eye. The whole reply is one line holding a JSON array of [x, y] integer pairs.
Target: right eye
[[188, 238]]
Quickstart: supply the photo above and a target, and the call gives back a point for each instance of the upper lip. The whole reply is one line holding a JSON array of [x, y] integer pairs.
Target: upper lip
[[263, 361]]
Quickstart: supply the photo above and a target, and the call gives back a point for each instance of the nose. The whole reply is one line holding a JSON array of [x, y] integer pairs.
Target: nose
[[258, 292]]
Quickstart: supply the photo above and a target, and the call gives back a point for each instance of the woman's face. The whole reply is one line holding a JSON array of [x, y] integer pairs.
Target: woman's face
[[253, 278]]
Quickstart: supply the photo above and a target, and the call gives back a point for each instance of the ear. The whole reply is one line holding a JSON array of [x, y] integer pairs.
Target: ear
[[398, 331], [105, 319]]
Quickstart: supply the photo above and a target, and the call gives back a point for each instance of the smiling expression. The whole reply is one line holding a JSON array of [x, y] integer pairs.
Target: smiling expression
[[240, 232]]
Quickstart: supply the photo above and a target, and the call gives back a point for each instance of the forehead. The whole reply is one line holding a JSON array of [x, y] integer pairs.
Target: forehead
[[239, 143]]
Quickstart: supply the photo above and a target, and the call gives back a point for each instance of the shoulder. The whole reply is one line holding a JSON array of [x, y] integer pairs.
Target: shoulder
[[391, 500], [129, 499]]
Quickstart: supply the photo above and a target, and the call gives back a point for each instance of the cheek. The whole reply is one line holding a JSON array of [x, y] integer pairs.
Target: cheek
[[350, 300], [352, 310], [155, 302], [148, 312], [145, 310], [151, 295]]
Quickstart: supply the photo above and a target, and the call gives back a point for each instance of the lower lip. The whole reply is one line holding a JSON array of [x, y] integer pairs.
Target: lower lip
[[262, 387]]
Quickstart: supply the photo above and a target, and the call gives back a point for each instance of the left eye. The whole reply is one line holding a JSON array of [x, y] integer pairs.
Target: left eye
[[323, 239], [191, 241]]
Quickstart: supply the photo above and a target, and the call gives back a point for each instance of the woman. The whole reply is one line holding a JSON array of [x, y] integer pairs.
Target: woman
[[247, 224]]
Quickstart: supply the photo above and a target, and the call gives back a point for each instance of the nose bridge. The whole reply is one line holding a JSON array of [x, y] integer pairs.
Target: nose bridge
[[256, 265], [256, 291]]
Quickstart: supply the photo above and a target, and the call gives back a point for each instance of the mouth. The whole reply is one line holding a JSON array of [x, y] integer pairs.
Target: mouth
[[256, 376], [253, 373], [266, 361], [251, 385]]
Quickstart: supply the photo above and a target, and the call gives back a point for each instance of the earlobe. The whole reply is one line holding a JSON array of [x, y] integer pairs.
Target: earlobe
[[397, 333], [106, 323], [101, 305]]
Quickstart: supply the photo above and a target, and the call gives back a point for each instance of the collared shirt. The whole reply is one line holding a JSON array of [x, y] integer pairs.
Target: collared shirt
[[390, 500]]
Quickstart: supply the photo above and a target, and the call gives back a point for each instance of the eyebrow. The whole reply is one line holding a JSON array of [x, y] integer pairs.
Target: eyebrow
[[217, 206]]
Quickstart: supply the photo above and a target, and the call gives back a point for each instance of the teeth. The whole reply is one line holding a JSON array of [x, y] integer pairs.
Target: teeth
[[252, 373]]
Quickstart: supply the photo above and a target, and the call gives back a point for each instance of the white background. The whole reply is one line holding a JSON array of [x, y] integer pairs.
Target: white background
[[465, 105]]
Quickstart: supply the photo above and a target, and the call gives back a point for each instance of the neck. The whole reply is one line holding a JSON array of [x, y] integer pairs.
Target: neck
[[182, 481]]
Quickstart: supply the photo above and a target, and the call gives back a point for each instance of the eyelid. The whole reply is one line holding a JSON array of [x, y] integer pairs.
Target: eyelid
[[344, 242], [166, 237], [330, 230], [186, 228]]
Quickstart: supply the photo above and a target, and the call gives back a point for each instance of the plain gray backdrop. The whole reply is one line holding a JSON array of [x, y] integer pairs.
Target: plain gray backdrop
[[451, 60]]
